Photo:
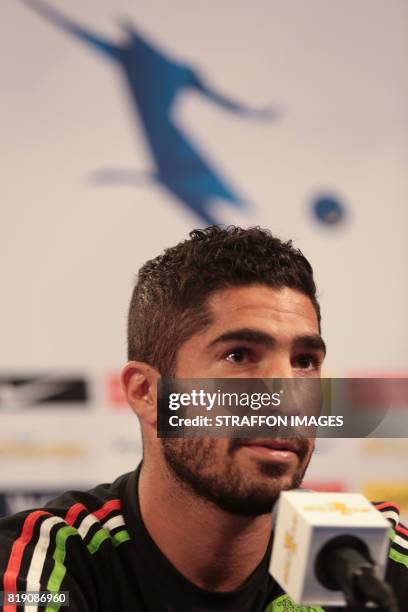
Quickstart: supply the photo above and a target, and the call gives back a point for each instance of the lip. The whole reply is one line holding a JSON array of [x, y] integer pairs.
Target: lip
[[272, 450], [274, 444]]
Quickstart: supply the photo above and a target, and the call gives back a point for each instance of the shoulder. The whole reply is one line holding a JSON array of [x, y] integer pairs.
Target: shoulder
[[398, 533], [68, 544], [397, 569]]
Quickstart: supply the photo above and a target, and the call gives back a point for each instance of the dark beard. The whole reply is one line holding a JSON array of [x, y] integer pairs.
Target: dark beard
[[193, 462]]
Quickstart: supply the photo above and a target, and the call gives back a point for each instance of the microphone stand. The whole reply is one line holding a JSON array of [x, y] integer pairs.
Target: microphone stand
[[344, 564]]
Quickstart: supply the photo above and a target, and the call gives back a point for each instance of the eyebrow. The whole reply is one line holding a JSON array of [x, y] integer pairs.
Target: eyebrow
[[246, 334], [311, 341]]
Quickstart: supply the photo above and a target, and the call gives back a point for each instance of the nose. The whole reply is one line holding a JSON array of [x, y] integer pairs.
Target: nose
[[278, 366]]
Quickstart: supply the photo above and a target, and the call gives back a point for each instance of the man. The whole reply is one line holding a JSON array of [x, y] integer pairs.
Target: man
[[190, 529]]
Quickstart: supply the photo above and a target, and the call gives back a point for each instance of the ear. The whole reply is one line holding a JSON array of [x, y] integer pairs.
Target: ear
[[139, 383]]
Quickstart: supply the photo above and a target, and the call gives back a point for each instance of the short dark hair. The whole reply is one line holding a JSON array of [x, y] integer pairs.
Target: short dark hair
[[168, 301]]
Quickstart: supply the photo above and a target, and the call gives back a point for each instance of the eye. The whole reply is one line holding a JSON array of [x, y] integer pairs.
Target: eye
[[306, 362], [237, 355]]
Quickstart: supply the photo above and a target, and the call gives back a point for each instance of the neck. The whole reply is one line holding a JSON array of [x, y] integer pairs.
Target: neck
[[212, 548]]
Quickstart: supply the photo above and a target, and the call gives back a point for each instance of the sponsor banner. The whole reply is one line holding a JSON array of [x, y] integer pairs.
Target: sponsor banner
[[59, 428], [14, 501], [385, 451], [47, 445], [323, 486], [52, 452], [51, 390], [395, 491], [113, 393]]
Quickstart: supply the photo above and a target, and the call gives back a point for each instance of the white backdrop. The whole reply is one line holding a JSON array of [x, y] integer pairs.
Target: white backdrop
[[336, 74]]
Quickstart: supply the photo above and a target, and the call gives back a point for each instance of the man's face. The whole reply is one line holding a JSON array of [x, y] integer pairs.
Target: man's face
[[256, 332]]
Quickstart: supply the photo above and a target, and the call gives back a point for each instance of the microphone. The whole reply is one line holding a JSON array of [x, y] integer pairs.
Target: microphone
[[324, 546]]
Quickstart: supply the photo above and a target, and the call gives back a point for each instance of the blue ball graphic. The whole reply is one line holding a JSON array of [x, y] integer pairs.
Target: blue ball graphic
[[328, 210]]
